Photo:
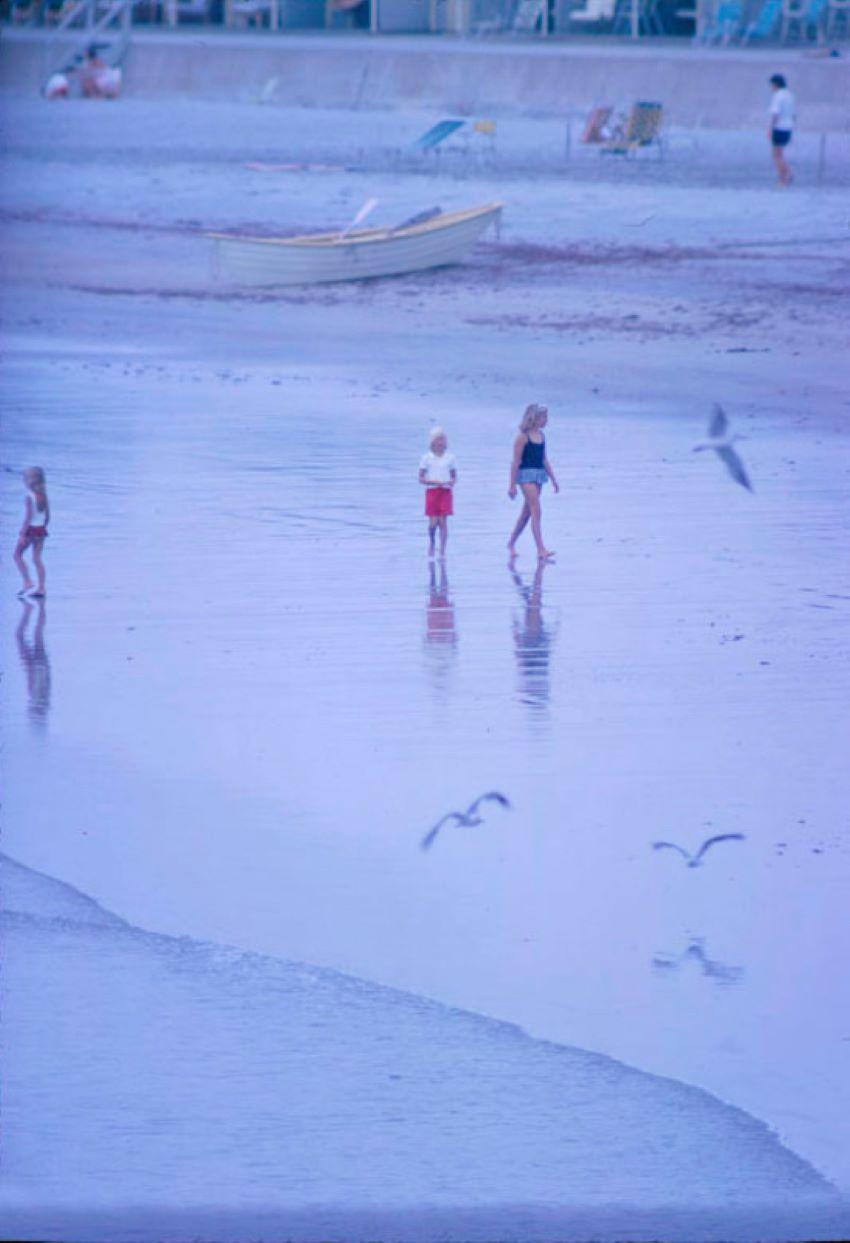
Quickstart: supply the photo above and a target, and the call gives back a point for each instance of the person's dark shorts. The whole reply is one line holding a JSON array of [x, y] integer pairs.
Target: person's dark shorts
[[780, 137]]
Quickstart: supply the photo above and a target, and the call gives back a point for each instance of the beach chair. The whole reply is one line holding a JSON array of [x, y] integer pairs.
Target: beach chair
[[594, 11], [765, 22], [642, 129], [723, 25], [807, 20], [596, 125], [483, 138], [434, 137]]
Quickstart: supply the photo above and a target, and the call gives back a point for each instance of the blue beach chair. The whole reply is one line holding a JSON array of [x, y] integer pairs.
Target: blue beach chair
[[765, 22], [436, 135], [723, 26]]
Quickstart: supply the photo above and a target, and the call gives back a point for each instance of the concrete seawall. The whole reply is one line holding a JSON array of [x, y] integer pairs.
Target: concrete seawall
[[713, 88]]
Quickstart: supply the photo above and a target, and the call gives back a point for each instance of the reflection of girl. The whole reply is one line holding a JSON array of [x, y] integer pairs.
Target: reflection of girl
[[530, 469], [532, 640], [33, 531], [34, 658]]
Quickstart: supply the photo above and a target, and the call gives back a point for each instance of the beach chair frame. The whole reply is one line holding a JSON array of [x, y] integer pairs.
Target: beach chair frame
[[641, 130]]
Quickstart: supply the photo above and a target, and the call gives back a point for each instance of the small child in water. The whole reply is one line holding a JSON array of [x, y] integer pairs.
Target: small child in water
[[33, 530], [438, 473]]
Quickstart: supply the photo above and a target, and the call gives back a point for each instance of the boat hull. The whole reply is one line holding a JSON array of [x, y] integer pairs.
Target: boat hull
[[265, 262]]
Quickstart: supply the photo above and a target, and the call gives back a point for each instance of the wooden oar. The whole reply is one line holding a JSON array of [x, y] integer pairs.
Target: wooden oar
[[368, 206]]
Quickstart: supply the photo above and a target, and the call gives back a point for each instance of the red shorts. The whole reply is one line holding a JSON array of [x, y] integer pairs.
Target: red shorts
[[438, 502], [31, 535]]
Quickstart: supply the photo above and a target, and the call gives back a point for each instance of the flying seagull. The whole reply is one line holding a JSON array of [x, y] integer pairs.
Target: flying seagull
[[721, 442], [695, 861], [464, 819]]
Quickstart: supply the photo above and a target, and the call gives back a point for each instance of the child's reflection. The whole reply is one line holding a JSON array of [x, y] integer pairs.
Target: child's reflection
[[440, 632], [36, 662], [532, 640]]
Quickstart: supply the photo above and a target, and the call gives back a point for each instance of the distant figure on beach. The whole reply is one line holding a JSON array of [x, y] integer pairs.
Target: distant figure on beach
[[97, 79], [33, 531], [782, 120], [530, 469], [438, 474], [58, 85]]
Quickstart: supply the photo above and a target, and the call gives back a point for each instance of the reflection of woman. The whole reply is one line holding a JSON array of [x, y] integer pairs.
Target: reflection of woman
[[34, 658], [530, 469], [532, 640]]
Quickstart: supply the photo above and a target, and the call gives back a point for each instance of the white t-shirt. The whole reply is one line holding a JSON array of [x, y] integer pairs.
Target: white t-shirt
[[438, 467], [782, 109]]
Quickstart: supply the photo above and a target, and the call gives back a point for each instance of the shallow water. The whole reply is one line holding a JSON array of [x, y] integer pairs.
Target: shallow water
[[250, 695]]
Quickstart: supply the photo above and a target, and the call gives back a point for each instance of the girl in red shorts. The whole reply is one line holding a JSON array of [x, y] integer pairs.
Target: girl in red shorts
[[33, 530], [438, 474]]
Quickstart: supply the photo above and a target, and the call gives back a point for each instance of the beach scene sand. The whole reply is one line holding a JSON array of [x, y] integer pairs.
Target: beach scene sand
[[240, 1000]]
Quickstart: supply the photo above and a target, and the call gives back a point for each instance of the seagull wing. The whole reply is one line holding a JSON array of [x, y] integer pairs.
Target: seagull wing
[[670, 846], [718, 422], [735, 467], [721, 837], [429, 838], [492, 796]]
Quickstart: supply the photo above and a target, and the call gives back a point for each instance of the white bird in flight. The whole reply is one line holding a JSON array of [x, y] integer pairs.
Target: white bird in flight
[[695, 861], [721, 442], [465, 819]]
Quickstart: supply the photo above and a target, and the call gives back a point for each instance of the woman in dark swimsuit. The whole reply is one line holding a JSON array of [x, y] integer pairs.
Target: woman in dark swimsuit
[[530, 469]]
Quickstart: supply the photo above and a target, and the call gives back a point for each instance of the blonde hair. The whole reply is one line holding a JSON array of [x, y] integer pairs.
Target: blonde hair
[[435, 433], [35, 480], [529, 419]]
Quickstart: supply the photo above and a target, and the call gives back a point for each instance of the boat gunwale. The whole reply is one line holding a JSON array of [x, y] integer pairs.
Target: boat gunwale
[[365, 237]]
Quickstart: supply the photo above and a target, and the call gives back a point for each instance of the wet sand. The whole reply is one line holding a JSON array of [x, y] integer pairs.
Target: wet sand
[[254, 697]]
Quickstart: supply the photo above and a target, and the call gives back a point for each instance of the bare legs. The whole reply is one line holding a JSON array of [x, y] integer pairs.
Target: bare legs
[[39, 566], [783, 172], [521, 524], [530, 513], [436, 524], [18, 558]]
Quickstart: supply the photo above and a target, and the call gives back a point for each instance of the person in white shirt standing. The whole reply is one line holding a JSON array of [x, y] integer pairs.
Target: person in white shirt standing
[[782, 120], [438, 473]]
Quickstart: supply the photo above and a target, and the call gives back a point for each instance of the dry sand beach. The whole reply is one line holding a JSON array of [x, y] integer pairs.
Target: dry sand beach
[[250, 695]]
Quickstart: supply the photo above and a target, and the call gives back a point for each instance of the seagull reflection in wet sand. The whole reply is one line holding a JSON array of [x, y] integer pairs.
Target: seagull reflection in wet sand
[[465, 819], [695, 860], [695, 952], [35, 661], [532, 640]]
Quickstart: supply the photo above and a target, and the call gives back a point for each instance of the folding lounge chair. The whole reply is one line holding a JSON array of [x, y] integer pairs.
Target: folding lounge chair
[[765, 22], [595, 125], [436, 135], [643, 129], [724, 25]]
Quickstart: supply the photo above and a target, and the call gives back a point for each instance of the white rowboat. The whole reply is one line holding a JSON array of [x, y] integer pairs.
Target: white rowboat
[[318, 257]]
